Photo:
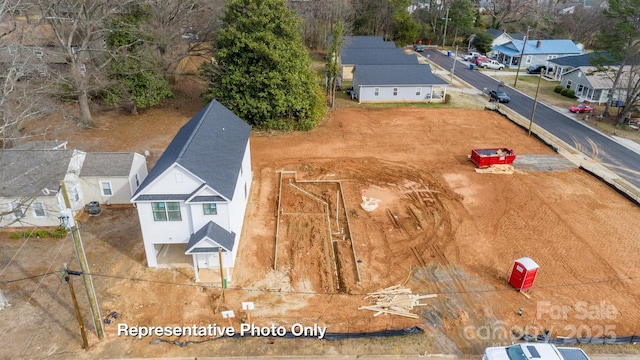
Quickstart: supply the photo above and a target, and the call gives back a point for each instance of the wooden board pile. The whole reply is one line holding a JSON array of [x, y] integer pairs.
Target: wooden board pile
[[394, 300]]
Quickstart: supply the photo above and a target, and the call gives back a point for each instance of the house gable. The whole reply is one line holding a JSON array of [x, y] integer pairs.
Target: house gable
[[210, 146], [209, 238]]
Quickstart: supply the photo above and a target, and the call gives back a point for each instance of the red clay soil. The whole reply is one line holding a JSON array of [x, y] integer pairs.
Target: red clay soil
[[440, 228]]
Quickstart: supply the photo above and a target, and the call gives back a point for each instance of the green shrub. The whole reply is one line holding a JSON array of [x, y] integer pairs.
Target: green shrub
[[563, 92], [42, 233], [558, 89], [17, 235], [571, 94], [58, 233]]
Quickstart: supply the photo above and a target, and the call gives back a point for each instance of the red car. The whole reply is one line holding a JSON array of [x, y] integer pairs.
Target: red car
[[582, 108]]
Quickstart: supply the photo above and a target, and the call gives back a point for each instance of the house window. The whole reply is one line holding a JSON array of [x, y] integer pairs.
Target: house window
[[75, 195], [568, 84], [580, 88], [38, 210], [529, 59], [395, 91], [17, 210], [105, 187], [166, 211], [376, 91], [210, 209], [137, 180], [418, 91]]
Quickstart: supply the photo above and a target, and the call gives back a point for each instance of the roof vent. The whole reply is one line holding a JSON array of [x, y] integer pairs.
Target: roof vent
[[222, 129], [147, 153]]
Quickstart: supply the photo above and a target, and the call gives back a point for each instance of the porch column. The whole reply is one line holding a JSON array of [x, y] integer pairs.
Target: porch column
[[195, 266]]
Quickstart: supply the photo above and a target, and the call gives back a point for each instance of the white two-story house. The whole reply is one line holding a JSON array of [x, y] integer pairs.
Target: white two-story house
[[194, 199]]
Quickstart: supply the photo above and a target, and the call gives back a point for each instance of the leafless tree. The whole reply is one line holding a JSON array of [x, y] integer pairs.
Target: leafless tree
[[319, 17], [78, 28], [182, 28], [24, 97], [508, 13]]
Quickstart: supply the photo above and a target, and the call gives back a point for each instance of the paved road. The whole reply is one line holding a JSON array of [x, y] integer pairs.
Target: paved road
[[619, 159]]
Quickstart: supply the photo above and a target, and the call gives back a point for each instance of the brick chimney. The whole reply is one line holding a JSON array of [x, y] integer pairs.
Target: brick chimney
[[539, 44]]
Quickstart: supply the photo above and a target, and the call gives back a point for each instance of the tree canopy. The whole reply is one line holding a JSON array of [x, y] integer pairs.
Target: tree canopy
[[262, 70]]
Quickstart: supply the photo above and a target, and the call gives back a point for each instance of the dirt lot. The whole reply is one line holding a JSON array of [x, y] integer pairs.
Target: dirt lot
[[440, 228]]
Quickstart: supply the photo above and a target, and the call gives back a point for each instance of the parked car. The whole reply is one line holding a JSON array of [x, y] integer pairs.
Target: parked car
[[478, 59], [582, 108], [418, 48], [491, 64], [469, 56], [499, 96], [536, 69]]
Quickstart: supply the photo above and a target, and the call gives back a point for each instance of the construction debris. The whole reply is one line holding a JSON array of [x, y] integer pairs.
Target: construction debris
[[369, 204], [496, 169], [395, 300]]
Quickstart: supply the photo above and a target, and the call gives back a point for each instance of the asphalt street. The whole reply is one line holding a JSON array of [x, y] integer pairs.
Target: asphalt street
[[616, 157]]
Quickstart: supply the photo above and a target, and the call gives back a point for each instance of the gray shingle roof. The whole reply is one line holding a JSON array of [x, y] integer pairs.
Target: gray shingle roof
[[376, 42], [371, 75], [368, 56], [107, 164], [211, 146], [213, 232], [577, 60], [41, 145], [163, 197], [24, 173]]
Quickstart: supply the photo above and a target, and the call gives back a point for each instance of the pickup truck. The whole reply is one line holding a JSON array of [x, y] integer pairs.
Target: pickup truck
[[491, 64], [530, 351]]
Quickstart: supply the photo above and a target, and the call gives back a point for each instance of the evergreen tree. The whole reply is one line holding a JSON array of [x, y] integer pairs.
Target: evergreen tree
[[262, 70]]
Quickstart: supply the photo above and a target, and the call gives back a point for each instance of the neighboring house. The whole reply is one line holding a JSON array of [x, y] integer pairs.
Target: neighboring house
[[397, 83], [594, 87], [192, 203], [501, 37], [351, 57], [30, 175], [564, 64], [30, 192], [361, 42], [112, 178], [536, 52]]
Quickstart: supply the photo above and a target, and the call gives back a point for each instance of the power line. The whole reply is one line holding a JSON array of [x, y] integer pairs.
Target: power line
[[13, 322]]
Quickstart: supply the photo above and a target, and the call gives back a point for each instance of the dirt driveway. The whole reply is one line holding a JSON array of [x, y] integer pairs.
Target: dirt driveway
[[440, 228]]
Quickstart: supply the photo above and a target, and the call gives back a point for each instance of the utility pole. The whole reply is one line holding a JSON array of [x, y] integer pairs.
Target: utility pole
[[535, 102], [66, 272], [454, 64], [222, 282], [526, 37], [70, 224], [446, 21]]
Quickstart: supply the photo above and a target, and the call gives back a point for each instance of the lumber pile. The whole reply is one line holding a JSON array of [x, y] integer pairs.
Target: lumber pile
[[394, 300]]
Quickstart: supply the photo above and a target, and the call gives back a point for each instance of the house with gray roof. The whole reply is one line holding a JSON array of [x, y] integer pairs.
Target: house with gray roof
[[593, 86], [30, 192], [30, 175], [111, 178], [562, 65], [350, 57], [534, 52], [397, 83], [191, 205]]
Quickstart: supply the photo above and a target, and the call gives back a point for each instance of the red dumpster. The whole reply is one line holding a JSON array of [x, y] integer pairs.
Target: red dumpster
[[487, 157]]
